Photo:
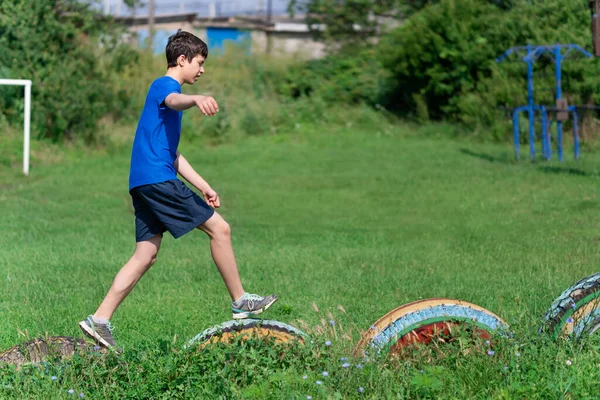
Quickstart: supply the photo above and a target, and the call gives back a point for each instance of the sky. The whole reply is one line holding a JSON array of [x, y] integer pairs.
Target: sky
[[201, 7]]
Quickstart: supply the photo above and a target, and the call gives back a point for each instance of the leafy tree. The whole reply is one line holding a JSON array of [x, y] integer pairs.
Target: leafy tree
[[352, 22], [134, 5], [345, 22], [70, 53], [442, 58]]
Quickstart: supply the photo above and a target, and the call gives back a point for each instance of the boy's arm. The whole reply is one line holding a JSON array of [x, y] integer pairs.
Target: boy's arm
[[184, 169], [180, 102]]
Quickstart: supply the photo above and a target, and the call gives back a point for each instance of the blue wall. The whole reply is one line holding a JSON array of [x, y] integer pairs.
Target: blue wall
[[161, 37], [217, 38]]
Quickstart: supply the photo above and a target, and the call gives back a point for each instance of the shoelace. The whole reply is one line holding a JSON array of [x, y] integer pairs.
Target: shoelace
[[251, 299], [108, 325]]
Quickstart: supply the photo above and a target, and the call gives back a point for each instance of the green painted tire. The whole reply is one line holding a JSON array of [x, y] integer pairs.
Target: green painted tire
[[247, 328]]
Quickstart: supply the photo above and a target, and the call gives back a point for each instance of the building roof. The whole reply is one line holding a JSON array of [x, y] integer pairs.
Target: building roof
[[277, 23]]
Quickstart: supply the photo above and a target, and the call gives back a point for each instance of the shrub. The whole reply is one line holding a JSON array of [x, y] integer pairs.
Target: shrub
[[345, 78], [442, 59]]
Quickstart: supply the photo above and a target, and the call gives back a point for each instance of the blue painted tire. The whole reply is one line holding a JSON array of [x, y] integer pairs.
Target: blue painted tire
[[417, 322]]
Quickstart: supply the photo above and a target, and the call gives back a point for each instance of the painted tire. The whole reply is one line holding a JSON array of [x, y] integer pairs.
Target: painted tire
[[37, 350], [247, 328], [576, 312], [420, 321]]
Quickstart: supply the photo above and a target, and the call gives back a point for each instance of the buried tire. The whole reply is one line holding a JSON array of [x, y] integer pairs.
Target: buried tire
[[422, 321], [246, 329], [576, 312], [39, 349]]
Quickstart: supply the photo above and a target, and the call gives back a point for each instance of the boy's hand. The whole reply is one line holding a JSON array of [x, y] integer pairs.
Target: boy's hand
[[207, 105], [212, 198]]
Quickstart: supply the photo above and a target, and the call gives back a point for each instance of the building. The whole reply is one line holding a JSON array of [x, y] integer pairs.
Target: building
[[202, 8], [280, 35]]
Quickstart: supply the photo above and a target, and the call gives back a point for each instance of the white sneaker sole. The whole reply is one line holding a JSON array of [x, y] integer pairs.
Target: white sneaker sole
[[248, 314], [92, 334]]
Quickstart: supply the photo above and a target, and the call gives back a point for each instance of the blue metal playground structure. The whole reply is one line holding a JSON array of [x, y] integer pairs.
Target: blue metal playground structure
[[529, 54]]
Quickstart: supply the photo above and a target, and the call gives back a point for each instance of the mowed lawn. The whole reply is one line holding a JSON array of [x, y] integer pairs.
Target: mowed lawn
[[357, 219]]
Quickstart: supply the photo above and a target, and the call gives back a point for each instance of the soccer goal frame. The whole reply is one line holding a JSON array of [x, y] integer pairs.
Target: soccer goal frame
[[27, 118]]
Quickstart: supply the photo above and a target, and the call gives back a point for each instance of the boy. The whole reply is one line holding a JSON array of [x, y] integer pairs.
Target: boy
[[164, 203]]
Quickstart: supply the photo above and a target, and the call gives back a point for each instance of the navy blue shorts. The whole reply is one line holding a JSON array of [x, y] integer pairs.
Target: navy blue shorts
[[167, 206]]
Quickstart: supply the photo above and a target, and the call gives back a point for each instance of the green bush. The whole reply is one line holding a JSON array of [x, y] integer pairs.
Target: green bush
[[345, 78], [442, 60], [443, 51]]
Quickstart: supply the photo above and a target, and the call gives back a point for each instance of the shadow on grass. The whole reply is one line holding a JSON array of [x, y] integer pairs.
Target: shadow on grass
[[568, 171], [549, 169], [503, 159]]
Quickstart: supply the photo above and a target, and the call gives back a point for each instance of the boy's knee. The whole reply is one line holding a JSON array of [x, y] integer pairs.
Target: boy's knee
[[225, 229], [146, 260], [216, 228], [220, 230]]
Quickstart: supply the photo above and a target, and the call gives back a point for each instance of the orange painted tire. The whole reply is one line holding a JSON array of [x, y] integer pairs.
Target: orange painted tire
[[420, 321]]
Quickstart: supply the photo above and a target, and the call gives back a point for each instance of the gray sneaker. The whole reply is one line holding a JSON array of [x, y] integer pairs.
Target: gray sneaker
[[251, 304], [101, 333]]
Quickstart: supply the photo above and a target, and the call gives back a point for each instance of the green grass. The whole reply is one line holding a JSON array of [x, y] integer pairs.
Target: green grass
[[364, 220]]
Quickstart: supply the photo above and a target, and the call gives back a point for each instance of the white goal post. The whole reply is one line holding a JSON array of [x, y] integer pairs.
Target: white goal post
[[27, 84]]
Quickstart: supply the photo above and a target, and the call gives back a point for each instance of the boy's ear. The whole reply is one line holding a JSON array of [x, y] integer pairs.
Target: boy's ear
[[181, 60]]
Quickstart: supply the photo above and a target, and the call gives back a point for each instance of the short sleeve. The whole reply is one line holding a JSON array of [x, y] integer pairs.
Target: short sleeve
[[165, 86]]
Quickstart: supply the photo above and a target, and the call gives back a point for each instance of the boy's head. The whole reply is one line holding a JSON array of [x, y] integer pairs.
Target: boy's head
[[187, 53]]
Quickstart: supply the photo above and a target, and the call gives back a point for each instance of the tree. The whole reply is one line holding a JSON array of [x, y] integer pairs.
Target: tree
[[134, 5], [345, 22], [71, 54], [351, 22]]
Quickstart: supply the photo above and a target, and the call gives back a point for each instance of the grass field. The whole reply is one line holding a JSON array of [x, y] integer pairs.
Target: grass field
[[352, 218]]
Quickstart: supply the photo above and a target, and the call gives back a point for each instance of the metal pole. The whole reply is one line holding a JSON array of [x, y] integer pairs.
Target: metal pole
[[596, 27], [546, 149], [268, 31], [516, 131], [559, 125], [27, 127], [530, 103], [27, 117], [151, 25], [575, 133], [269, 10]]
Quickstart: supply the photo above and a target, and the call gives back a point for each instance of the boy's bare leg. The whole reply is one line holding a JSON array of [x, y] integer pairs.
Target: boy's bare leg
[[222, 252], [141, 261]]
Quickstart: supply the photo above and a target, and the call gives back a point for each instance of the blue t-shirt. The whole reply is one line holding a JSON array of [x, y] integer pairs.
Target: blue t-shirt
[[157, 137]]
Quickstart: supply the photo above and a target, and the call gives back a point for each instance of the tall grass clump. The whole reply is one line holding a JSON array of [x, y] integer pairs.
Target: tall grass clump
[[257, 95]]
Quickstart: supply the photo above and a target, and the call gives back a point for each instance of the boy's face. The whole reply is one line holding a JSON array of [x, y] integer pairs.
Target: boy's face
[[192, 69]]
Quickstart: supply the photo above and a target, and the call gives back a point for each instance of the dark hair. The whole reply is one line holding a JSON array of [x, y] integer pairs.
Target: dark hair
[[184, 43]]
